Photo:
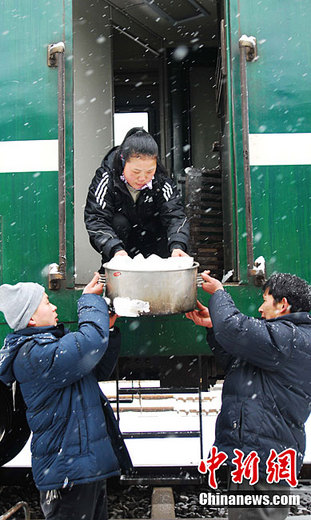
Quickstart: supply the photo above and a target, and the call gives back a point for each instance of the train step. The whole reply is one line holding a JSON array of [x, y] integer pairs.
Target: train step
[[162, 476], [161, 434], [152, 390]]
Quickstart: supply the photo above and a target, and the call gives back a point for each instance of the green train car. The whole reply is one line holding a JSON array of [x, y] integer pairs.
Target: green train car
[[224, 86]]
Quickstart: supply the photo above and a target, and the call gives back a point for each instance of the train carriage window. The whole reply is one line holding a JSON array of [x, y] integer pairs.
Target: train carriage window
[[124, 121]]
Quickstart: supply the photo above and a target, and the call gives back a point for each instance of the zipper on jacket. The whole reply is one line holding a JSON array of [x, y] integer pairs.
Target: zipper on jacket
[[80, 438], [241, 425], [182, 225], [102, 233]]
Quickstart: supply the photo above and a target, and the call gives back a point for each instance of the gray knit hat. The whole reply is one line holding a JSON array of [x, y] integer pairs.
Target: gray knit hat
[[19, 302]]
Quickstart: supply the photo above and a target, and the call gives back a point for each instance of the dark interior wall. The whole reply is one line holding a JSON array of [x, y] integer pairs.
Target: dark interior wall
[[137, 81], [205, 124], [195, 125], [142, 98]]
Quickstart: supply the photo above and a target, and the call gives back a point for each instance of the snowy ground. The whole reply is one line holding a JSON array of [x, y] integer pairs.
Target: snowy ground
[[180, 413]]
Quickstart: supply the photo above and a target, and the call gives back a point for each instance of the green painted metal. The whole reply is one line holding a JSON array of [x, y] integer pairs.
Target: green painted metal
[[283, 236], [231, 157], [67, 24], [279, 90], [29, 201], [176, 335], [30, 237], [160, 335], [1, 248]]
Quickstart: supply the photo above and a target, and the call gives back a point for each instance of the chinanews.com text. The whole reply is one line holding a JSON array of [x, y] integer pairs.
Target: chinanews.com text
[[244, 499]]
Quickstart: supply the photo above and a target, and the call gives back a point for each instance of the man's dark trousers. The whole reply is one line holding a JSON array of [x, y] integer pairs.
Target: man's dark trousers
[[79, 502]]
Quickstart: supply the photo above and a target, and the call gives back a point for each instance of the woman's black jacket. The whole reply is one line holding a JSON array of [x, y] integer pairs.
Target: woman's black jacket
[[156, 209]]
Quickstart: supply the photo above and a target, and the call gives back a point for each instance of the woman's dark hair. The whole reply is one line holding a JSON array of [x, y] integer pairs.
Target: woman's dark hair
[[136, 142], [296, 290]]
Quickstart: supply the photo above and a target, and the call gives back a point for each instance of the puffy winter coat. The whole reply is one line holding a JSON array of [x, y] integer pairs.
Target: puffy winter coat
[[156, 210], [266, 396], [75, 435]]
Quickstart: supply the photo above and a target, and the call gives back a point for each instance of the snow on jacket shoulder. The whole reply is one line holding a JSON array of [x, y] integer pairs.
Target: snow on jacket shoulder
[[266, 395], [159, 207], [57, 373]]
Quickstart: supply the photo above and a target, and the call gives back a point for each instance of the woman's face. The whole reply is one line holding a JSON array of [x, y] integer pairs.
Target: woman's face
[[139, 170]]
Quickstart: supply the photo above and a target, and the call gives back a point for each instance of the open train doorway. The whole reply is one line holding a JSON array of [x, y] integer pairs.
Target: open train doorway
[[160, 59]]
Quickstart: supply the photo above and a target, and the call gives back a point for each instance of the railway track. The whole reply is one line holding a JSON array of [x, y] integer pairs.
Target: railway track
[[156, 493], [140, 503]]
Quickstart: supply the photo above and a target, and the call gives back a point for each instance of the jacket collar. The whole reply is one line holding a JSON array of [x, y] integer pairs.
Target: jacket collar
[[299, 318], [148, 185], [59, 331]]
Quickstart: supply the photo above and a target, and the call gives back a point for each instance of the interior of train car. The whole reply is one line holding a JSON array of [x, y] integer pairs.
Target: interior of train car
[[157, 65]]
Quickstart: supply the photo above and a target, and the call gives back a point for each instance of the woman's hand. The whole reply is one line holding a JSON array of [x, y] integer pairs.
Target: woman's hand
[[178, 252], [121, 253], [201, 316]]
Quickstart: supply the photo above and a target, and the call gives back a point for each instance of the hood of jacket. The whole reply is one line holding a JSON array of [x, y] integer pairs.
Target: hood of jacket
[[13, 342], [107, 162]]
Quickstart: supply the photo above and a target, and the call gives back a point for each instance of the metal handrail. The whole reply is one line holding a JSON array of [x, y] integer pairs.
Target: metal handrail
[[248, 52], [15, 508], [56, 59]]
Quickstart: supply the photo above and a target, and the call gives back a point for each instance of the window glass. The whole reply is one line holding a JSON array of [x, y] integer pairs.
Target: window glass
[[124, 121]]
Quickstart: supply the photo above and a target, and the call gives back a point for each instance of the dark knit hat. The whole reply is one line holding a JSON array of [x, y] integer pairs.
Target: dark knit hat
[[19, 302]]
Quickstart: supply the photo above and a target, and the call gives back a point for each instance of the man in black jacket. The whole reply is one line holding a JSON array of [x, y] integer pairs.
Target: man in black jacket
[[266, 397], [132, 206]]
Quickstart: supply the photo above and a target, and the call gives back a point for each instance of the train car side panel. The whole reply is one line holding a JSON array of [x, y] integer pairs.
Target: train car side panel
[[278, 83]]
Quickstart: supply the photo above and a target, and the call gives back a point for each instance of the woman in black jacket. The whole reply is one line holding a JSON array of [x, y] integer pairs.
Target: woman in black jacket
[[132, 206]]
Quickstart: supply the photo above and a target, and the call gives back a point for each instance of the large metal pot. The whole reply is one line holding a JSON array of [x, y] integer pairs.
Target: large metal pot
[[167, 292]]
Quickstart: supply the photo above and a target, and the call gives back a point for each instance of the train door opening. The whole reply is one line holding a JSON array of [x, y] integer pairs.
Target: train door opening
[[157, 59]]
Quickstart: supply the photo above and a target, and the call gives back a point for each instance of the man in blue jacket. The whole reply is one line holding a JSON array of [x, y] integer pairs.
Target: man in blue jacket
[[266, 397], [76, 444]]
